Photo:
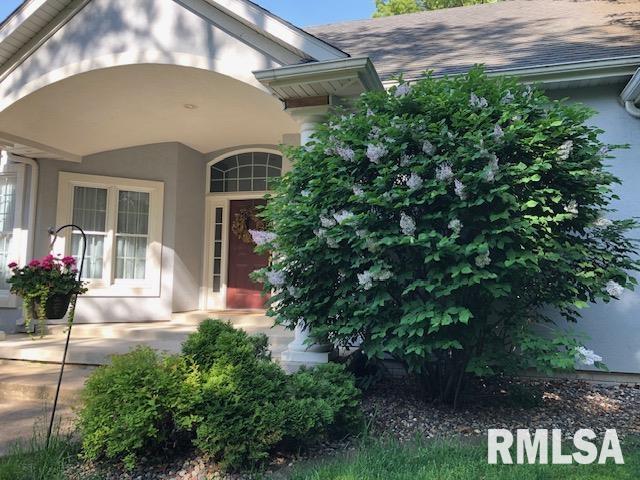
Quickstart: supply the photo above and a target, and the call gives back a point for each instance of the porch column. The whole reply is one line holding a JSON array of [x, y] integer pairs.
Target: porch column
[[299, 352]]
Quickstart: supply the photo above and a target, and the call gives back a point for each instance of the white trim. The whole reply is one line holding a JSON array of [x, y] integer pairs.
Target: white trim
[[109, 286], [231, 153], [277, 28], [20, 234]]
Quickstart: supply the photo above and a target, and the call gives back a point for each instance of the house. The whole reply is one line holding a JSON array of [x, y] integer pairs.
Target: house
[[155, 125]]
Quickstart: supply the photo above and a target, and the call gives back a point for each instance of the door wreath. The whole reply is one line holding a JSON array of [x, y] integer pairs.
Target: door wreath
[[246, 219]]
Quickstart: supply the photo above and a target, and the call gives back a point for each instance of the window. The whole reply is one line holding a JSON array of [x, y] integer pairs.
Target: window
[[245, 172], [8, 184], [122, 220], [217, 250]]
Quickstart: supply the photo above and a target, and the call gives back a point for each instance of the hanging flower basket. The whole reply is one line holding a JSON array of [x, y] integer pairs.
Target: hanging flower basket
[[48, 287], [55, 308]]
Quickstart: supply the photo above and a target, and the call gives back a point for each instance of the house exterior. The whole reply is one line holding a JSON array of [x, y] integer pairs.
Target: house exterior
[[157, 125]]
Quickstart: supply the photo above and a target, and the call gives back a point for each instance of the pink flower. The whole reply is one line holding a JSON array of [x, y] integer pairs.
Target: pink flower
[[47, 262], [68, 261], [34, 263], [13, 265]]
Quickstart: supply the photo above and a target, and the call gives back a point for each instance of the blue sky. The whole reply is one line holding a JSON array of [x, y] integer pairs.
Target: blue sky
[[299, 12]]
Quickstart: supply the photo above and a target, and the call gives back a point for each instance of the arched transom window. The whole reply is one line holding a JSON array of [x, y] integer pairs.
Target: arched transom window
[[246, 172]]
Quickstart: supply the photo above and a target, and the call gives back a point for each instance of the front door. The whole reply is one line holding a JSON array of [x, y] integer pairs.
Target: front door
[[242, 292]]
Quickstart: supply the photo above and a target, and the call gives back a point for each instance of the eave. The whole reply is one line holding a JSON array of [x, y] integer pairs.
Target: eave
[[343, 77]]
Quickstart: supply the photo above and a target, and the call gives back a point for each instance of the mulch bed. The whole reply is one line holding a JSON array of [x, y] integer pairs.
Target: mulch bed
[[395, 409]]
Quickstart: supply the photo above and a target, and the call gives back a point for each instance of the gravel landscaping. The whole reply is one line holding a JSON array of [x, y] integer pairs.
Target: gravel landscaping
[[396, 410]]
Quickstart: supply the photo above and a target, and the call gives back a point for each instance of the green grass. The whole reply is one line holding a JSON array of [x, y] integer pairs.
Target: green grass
[[31, 461], [452, 460]]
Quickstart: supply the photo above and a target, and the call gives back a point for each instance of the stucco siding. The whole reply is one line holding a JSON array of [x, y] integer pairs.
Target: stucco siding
[[613, 330], [181, 170]]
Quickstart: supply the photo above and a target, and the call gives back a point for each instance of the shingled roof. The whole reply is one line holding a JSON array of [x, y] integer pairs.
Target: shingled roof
[[506, 35]]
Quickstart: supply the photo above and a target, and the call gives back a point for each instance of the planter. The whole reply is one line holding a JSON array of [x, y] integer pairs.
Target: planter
[[56, 306]]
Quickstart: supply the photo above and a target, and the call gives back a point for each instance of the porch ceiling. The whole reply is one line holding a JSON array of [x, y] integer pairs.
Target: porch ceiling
[[144, 104]]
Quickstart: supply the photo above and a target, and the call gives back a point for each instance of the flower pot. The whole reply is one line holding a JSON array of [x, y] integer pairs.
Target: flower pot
[[56, 306]]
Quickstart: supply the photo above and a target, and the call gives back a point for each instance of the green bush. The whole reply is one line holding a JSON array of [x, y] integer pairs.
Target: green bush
[[441, 221], [247, 405], [127, 406], [217, 340], [324, 402], [223, 394]]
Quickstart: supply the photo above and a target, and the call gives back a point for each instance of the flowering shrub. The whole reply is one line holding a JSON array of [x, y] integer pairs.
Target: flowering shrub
[[441, 222], [40, 279]]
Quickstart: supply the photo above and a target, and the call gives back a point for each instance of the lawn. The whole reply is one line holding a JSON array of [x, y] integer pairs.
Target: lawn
[[453, 461]]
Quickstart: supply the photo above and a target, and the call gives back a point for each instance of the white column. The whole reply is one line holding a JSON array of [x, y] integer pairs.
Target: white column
[[299, 352]]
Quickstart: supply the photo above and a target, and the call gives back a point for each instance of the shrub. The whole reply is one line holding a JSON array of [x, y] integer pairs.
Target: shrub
[[324, 402], [217, 340], [246, 405], [127, 406], [442, 221]]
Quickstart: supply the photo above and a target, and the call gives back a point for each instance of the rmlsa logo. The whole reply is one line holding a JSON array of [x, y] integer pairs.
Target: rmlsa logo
[[531, 449]]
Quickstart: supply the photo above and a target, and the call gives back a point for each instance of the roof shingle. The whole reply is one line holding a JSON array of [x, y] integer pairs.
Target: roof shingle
[[506, 35]]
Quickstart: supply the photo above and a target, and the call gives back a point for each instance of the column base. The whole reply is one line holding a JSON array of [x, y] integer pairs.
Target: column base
[[292, 360], [3, 335]]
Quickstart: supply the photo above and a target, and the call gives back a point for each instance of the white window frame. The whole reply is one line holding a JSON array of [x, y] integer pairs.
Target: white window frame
[[108, 285], [18, 252]]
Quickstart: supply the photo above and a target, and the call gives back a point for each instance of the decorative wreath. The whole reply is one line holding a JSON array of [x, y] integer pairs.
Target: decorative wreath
[[245, 220]]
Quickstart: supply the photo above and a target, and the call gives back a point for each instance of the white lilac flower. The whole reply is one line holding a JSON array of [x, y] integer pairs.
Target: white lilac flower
[[327, 222], [477, 102], [602, 223], [371, 245], [460, 189], [444, 171], [293, 291], [405, 160], [276, 277], [428, 148], [334, 126], [383, 275], [389, 139], [508, 98], [407, 224], [376, 152], [603, 151], [455, 226], [375, 132], [414, 182], [402, 90], [320, 232], [346, 153], [358, 191], [614, 289], [332, 242], [343, 216], [571, 207], [262, 238], [361, 233], [305, 193], [587, 357], [370, 112], [491, 169], [483, 260], [564, 151], [365, 279], [498, 133]]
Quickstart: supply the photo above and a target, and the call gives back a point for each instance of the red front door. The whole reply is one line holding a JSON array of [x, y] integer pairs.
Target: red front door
[[242, 292]]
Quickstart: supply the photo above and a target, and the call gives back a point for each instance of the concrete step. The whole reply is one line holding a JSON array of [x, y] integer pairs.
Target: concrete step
[[96, 351], [239, 318], [150, 331], [37, 381]]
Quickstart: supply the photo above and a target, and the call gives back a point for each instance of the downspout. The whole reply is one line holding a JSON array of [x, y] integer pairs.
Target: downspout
[[630, 96], [33, 199], [632, 109]]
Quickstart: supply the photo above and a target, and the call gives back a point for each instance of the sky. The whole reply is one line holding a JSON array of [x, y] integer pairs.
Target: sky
[[302, 13]]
